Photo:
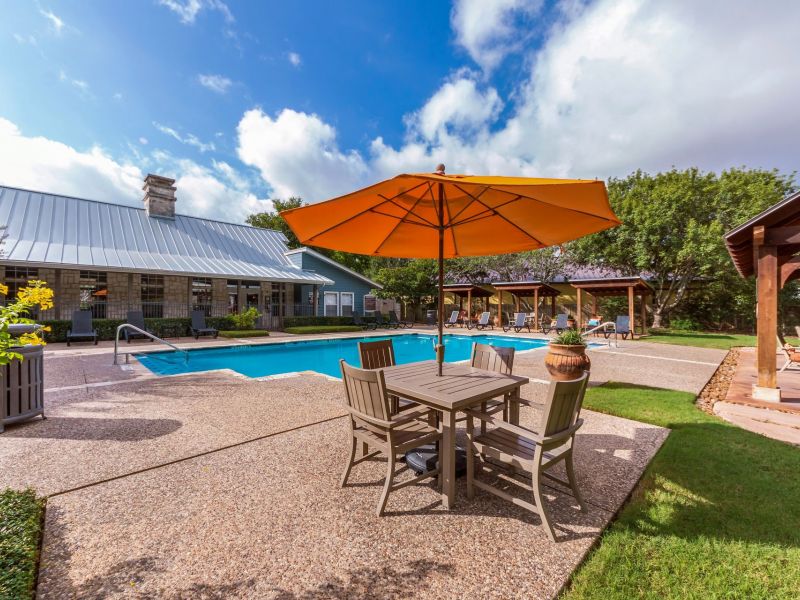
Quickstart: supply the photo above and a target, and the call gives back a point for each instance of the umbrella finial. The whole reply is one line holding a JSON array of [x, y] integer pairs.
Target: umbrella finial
[[439, 169]]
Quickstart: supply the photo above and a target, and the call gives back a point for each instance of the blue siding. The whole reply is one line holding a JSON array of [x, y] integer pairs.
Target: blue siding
[[344, 282]]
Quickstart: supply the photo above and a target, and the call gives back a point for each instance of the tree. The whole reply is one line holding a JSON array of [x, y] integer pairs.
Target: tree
[[273, 220], [410, 281], [673, 227], [535, 265]]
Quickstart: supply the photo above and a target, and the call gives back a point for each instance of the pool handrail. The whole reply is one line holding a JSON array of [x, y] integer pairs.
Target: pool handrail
[[146, 333], [604, 327]]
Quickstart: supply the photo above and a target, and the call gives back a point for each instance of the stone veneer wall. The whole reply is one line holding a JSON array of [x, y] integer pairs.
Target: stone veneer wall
[[176, 296], [117, 305], [68, 293]]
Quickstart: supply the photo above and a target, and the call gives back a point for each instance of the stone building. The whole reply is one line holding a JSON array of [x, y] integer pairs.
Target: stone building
[[110, 259]]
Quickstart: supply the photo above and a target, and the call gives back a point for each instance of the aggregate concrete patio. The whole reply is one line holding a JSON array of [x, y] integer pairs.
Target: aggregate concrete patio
[[215, 485]]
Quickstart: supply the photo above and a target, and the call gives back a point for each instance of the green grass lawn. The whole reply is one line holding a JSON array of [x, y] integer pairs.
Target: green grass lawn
[[322, 329], [20, 524], [722, 341], [716, 515]]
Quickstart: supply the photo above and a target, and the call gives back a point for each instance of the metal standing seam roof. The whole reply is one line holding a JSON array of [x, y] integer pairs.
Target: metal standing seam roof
[[63, 231]]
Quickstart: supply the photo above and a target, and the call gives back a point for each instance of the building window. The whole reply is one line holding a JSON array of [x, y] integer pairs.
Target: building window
[[331, 304], [94, 292], [233, 296], [346, 300], [252, 291], [278, 299], [18, 277], [201, 294], [153, 296], [370, 304]]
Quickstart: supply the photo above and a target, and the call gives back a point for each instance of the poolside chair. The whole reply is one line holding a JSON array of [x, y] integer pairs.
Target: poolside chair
[[453, 320], [791, 353], [358, 321], [136, 318], [484, 322], [498, 359], [385, 323], [404, 324], [520, 323], [379, 355], [622, 326], [372, 424], [532, 451], [82, 327], [199, 327], [561, 324]]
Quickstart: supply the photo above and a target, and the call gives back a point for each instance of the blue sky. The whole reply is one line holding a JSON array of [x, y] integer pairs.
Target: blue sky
[[242, 102]]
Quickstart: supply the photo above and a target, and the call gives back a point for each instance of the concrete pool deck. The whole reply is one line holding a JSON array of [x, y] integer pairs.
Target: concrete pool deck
[[216, 485]]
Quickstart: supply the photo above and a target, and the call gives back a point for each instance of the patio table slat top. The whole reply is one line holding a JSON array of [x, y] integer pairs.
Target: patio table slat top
[[460, 385]]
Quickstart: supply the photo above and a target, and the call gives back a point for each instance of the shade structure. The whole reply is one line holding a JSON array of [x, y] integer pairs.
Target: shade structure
[[434, 215]]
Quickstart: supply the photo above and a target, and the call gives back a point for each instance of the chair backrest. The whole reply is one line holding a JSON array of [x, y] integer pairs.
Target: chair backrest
[[365, 391], [561, 321], [484, 320], [623, 324], [136, 318], [376, 355], [519, 319], [499, 359], [82, 321], [563, 405], [198, 319], [453, 317]]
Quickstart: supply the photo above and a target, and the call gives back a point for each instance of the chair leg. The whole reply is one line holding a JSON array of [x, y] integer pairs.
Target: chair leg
[[573, 483], [483, 423], [388, 485], [350, 460], [537, 496], [470, 458]]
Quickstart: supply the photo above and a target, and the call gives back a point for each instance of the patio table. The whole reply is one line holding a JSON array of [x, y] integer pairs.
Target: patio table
[[459, 387]]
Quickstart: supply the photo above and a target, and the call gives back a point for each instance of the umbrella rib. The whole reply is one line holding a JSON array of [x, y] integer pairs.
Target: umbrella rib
[[402, 219], [451, 228], [468, 204], [486, 213], [401, 207], [582, 212], [399, 222], [506, 219]]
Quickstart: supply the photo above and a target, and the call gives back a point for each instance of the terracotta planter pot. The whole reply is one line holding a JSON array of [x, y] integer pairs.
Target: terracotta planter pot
[[566, 362]]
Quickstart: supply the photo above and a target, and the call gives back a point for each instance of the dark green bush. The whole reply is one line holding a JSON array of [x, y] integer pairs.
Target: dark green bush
[[309, 321], [20, 525], [107, 328], [307, 329]]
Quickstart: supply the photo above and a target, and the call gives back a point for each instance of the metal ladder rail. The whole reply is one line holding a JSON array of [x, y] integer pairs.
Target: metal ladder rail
[[146, 333], [604, 327]]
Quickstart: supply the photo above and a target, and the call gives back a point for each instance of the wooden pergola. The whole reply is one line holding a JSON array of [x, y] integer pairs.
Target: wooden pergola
[[768, 247], [527, 289], [614, 286], [468, 291]]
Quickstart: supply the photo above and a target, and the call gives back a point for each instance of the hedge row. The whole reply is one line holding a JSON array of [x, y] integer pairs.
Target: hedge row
[[20, 524], [107, 328], [306, 329], [309, 321]]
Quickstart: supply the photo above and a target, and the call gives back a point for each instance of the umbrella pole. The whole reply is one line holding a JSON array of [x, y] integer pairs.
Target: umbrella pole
[[440, 345]]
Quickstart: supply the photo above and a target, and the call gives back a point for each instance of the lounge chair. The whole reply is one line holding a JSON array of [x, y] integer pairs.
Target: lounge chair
[[358, 321], [791, 353], [622, 326], [561, 324], [379, 355], [384, 323], [372, 424], [453, 320], [533, 451], [136, 318], [484, 322], [81, 327], [404, 324], [199, 327], [520, 323]]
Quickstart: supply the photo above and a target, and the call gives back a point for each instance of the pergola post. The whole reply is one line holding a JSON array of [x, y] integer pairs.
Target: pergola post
[[469, 305], [631, 313], [500, 310], [536, 308], [579, 316], [594, 306], [516, 296], [767, 316], [644, 313], [553, 306]]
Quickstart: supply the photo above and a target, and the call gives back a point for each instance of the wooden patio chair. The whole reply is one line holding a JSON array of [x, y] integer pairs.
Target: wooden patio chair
[[533, 452], [498, 359], [372, 424], [379, 355]]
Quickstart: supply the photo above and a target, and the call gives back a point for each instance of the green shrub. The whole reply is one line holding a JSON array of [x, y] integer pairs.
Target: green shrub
[[240, 333], [308, 321], [322, 329], [685, 324], [20, 527], [107, 328], [569, 337], [246, 319]]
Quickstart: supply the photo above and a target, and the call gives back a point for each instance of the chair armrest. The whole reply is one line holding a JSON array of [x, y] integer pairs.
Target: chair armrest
[[408, 419], [567, 433], [506, 426], [368, 419]]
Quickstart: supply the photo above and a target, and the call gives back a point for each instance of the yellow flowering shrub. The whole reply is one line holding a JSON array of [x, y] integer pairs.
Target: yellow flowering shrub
[[36, 293]]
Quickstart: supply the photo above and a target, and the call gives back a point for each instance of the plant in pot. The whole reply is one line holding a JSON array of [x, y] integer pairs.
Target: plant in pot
[[567, 357]]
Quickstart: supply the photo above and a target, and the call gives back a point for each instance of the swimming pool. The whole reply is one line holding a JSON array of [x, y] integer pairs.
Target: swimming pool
[[321, 356]]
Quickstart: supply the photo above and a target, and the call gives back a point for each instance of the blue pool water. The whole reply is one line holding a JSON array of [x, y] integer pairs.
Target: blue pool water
[[321, 356]]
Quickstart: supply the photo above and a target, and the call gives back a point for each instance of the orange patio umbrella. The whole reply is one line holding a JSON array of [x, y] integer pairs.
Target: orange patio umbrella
[[434, 215]]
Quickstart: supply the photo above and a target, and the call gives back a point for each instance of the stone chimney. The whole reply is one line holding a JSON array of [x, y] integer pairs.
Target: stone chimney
[[159, 196]]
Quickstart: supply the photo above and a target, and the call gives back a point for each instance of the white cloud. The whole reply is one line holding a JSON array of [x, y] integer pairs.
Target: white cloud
[[55, 21], [295, 59], [187, 10], [297, 154], [215, 83], [117, 96], [143, 141], [488, 29], [42, 164], [189, 139], [79, 84], [24, 39]]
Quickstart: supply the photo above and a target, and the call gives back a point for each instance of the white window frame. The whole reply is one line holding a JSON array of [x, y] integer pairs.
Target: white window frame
[[325, 304], [371, 312], [352, 302]]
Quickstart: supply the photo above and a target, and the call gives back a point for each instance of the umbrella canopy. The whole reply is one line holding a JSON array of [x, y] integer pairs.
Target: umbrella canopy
[[433, 215]]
